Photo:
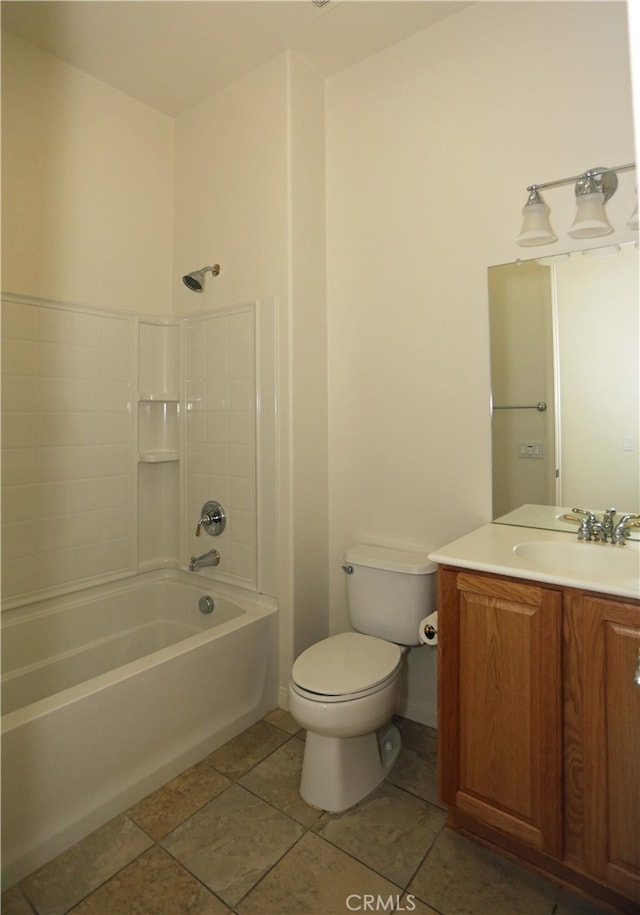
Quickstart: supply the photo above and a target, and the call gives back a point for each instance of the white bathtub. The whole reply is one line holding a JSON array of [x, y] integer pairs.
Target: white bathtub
[[112, 691]]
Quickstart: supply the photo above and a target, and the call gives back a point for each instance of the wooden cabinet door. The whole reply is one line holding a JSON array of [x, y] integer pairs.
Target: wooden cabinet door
[[501, 705], [612, 742]]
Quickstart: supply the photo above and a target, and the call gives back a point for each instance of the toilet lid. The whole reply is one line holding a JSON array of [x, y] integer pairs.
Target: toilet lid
[[346, 663]]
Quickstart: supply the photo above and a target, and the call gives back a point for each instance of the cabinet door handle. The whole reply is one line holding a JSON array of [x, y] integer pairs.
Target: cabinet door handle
[[636, 678]]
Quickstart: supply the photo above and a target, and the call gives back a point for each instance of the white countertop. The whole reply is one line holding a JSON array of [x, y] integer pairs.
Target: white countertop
[[491, 549]]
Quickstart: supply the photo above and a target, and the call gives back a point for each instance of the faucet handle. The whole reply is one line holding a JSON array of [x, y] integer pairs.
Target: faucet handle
[[590, 516], [205, 521], [621, 531], [587, 524]]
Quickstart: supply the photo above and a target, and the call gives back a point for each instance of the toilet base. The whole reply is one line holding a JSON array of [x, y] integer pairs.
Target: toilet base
[[337, 772]]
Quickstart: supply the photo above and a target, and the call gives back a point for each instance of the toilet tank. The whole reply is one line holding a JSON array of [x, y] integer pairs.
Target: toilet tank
[[389, 591]]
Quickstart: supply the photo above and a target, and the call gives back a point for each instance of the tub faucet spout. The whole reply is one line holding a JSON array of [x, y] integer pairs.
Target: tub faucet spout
[[211, 558]]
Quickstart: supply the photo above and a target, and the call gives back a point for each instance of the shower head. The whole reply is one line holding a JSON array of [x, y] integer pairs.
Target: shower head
[[195, 280]]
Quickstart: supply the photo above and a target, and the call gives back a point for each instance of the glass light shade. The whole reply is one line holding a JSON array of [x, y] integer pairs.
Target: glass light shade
[[591, 219], [633, 221], [536, 228]]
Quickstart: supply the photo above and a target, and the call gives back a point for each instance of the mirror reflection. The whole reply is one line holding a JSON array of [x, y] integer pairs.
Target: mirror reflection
[[565, 369]]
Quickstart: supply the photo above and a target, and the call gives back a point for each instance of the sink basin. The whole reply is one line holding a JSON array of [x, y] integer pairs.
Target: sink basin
[[582, 558]]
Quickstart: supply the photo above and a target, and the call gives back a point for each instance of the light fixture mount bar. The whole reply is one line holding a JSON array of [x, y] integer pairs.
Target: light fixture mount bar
[[590, 173]]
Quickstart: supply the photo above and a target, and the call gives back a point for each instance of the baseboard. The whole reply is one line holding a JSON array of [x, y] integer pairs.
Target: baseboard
[[422, 712]]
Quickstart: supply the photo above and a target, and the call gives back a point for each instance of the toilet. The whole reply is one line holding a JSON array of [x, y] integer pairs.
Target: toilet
[[344, 690]]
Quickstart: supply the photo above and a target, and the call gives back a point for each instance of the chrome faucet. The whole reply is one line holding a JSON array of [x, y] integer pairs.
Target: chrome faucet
[[607, 523], [621, 531], [211, 558], [586, 531], [606, 529]]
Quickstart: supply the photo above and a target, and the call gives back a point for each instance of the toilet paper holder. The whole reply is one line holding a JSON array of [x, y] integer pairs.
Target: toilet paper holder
[[428, 629]]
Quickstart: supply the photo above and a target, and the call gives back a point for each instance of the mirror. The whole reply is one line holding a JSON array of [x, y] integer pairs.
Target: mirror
[[565, 370]]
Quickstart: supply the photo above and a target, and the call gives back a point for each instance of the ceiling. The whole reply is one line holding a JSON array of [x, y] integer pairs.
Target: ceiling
[[172, 54]]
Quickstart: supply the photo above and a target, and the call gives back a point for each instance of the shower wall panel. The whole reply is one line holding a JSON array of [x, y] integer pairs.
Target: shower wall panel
[[67, 485], [221, 437]]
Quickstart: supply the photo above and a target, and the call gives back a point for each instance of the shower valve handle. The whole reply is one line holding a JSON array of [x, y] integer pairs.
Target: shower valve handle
[[213, 518], [205, 521]]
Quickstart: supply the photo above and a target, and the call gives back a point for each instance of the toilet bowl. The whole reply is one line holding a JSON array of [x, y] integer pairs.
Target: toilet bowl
[[344, 689], [345, 758]]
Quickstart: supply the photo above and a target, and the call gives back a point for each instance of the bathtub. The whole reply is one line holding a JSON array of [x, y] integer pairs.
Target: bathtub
[[112, 691]]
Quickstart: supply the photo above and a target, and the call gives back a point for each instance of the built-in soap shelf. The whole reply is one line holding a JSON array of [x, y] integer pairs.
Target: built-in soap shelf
[[159, 420], [158, 427], [158, 457]]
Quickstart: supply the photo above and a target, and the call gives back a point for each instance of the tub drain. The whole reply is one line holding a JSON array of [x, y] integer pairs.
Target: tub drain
[[205, 604]]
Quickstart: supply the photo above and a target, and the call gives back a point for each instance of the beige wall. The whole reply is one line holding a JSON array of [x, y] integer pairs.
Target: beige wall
[[309, 416], [430, 146], [230, 192], [86, 187], [250, 195]]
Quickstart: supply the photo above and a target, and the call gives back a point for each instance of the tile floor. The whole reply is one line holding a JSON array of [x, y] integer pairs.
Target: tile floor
[[232, 835]]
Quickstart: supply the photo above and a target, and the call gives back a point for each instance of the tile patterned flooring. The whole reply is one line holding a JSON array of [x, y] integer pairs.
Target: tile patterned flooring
[[232, 835]]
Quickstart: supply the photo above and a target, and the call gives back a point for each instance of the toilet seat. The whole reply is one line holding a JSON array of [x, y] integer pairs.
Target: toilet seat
[[344, 667]]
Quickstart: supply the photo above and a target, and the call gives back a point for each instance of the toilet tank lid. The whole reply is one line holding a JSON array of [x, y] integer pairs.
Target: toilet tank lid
[[389, 559]]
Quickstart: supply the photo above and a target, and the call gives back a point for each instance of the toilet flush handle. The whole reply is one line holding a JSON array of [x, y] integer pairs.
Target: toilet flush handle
[[348, 569]]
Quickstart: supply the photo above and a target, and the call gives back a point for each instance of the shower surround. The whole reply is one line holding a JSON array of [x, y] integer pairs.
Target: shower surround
[[116, 428], [68, 490]]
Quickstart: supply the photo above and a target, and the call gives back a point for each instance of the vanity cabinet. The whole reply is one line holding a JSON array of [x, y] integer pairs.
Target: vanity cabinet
[[611, 739], [539, 726], [501, 655]]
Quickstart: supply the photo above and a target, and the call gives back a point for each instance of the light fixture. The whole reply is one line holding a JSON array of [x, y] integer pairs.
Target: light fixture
[[592, 192], [536, 228], [592, 188], [195, 281]]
